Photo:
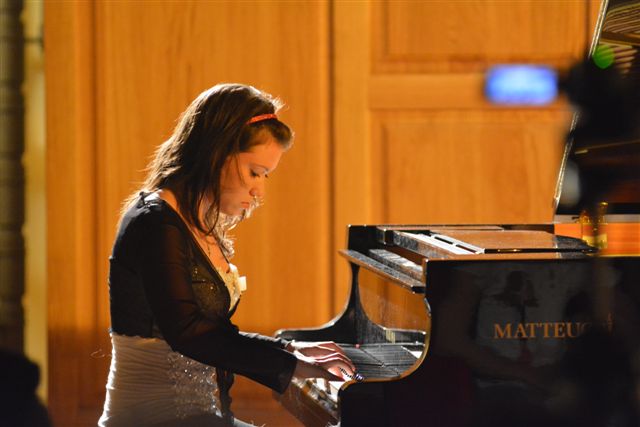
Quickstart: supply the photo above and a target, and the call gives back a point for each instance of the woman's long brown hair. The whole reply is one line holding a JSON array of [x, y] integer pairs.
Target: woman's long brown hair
[[210, 131]]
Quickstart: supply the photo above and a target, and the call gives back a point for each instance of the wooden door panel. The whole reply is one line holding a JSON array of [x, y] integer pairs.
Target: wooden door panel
[[467, 166], [449, 36]]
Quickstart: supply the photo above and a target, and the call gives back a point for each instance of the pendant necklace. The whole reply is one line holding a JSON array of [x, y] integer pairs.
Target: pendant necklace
[[206, 241]]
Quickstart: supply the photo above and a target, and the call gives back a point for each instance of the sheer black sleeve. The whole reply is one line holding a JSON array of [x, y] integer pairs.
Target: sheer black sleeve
[[214, 340]]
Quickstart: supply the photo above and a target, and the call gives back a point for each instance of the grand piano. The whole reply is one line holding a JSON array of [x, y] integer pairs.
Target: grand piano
[[502, 324]]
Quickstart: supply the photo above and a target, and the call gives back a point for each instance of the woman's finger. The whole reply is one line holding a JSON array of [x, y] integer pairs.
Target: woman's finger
[[336, 357], [317, 346]]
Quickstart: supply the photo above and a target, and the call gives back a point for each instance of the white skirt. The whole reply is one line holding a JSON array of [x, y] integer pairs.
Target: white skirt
[[150, 384]]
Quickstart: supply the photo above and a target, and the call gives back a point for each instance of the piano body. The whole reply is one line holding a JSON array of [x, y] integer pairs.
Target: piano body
[[444, 322], [527, 325]]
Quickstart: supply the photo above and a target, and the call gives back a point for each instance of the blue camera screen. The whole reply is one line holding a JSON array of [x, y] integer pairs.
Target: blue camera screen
[[521, 85]]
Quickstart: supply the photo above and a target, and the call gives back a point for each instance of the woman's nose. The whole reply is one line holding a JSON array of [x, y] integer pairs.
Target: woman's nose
[[257, 190]]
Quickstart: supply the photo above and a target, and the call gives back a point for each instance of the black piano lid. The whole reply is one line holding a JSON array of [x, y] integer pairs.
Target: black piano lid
[[462, 242], [502, 241], [601, 160], [384, 270]]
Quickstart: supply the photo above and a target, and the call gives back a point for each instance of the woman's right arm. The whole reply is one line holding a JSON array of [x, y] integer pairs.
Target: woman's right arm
[[165, 271]]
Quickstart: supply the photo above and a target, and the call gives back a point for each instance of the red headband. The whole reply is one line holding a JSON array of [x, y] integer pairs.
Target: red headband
[[262, 117]]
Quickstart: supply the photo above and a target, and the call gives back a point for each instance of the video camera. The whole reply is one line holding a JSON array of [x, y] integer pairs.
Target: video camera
[[602, 147]]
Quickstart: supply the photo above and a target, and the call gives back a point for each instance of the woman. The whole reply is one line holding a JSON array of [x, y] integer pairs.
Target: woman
[[172, 288]]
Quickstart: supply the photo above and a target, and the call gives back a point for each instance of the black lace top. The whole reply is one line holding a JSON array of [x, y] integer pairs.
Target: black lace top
[[162, 285]]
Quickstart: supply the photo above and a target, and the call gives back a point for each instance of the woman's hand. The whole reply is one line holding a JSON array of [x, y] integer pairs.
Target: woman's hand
[[321, 360], [314, 349]]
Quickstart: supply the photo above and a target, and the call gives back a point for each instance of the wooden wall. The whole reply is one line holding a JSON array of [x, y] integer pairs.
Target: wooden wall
[[385, 99]]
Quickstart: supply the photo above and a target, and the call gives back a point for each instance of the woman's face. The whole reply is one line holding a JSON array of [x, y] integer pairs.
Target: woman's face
[[243, 176]]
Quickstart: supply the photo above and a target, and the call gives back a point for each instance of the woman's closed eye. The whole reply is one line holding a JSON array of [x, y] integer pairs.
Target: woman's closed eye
[[257, 175]]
